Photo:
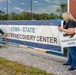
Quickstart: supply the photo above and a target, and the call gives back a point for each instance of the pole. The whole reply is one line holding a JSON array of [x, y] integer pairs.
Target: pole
[[10, 17], [68, 2], [7, 9], [31, 9]]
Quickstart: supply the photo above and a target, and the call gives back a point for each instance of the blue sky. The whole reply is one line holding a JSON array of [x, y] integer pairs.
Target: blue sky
[[38, 6]]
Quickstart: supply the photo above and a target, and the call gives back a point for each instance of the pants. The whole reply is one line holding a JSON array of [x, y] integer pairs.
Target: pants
[[72, 56]]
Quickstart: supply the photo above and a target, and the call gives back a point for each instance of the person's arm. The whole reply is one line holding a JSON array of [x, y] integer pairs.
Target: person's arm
[[71, 27], [4, 35], [67, 31], [5, 38], [2, 32]]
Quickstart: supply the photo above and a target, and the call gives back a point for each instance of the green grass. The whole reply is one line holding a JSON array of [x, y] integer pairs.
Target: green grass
[[13, 68]]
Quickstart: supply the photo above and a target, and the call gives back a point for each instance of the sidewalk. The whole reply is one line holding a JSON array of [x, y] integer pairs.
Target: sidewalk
[[47, 62]]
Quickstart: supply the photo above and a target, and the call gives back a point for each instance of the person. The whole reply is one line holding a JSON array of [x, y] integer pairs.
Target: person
[[69, 28], [4, 35]]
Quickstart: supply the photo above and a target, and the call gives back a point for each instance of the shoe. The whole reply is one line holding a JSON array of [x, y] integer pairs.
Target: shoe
[[71, 69], [65, 64]]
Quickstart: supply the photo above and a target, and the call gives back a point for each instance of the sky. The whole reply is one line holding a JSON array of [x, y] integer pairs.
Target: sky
[[38, 6]]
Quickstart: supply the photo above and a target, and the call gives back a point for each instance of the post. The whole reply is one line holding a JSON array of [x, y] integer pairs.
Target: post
[[7, 9], [31, 9]]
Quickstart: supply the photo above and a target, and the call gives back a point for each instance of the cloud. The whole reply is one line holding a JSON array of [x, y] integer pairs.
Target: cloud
[[23, 3], [35, 1], [19, 9], [57, 2], [5, 8], [48, 0], [60, 1], [48, 9], [3, 0]]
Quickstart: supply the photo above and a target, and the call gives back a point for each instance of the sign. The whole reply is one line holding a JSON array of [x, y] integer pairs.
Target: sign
[[67, 40], [39, 34]]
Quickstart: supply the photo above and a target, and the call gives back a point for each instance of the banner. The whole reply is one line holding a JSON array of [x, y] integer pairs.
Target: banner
[[39, 34], [67, 40]]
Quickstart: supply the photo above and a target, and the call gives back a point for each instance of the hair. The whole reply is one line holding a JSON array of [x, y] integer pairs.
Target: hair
[[68, 16]]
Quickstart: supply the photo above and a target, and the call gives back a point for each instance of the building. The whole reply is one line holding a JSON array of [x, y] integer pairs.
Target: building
[[72, 7]]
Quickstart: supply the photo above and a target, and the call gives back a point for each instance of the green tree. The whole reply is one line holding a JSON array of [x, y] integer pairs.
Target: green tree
[[63, 8], [1, 15], [52, 16], [1, 12], [12, 16]]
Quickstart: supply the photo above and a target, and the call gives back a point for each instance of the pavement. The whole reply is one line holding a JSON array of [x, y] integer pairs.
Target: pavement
[[39, 59]]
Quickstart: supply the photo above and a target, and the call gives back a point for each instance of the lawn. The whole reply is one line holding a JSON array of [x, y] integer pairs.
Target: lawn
[[13, 68]]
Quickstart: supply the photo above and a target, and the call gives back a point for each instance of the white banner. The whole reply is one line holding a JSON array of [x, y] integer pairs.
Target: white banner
[[45, 36], [68, 40], [38, 34]]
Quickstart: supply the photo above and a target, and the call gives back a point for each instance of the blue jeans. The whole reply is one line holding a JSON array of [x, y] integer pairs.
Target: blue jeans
[[72, 56]]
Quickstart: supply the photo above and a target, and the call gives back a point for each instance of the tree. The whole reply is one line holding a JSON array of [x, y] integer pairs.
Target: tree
[[1, 12], [1, 15], [63, 8], [53, 16]]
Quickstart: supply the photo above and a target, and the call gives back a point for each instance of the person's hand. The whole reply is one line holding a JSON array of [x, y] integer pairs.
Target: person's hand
[[60, 29], [5, 37]]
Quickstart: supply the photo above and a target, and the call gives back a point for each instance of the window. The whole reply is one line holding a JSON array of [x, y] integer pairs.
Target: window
[[32, 9]]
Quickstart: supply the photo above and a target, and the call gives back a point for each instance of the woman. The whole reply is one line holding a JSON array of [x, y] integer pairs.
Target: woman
[[69, 28]]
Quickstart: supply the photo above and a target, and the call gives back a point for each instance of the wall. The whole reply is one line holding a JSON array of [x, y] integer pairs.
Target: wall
[[72, 7]]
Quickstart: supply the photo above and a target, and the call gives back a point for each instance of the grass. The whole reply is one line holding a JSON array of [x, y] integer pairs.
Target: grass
[[13, 68]]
